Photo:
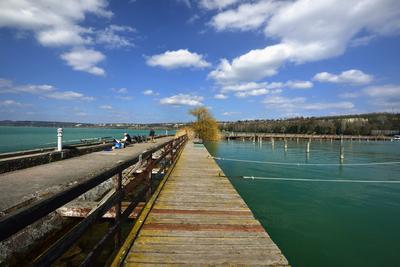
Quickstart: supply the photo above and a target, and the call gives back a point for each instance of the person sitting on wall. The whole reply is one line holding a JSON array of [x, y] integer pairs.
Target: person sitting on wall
[[127, 140], [152, 134], [117, 144]]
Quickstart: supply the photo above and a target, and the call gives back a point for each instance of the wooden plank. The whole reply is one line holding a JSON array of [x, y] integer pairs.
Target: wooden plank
[[202, 212], [199, 219], [193, 226], [200, 234], [267, 258]]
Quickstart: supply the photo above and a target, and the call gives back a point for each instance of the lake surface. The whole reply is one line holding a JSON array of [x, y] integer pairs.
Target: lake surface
[[321, 223], [23, 138]]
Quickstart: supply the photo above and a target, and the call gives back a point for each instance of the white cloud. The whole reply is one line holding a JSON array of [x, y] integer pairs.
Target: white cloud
[[299, 84], [254, 92], [299, 42], [124, 97], [363, 40], [69, 95], [182, 99], [265, 87], [220, 96], [193, 19], [122, 90], [57, 23], [28, 88], [349, 95], [11, 103], [216, 4], [69, 35], [45, 90], [5, 83], [230, 113], [281, 102], [387, 91], [53, 22], [111, 36], [384, 97], [253, 65], [83, 59], [185, 2], [150, 92], [355, 77], [290, 105], [106, 107], [247, 16], [325, 106], [182, 58], [239, 87], [81, 114]]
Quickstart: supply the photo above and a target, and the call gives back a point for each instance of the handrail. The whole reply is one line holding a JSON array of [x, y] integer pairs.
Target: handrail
[[18, 220], [122, 253]]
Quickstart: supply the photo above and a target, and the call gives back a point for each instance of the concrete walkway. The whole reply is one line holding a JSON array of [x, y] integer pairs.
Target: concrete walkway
[[23, 185]]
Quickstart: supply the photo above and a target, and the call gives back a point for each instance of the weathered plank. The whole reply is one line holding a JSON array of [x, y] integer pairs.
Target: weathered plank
[[199, 219]]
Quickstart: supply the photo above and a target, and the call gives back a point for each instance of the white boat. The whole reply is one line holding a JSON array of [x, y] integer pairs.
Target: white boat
[[396, 138]]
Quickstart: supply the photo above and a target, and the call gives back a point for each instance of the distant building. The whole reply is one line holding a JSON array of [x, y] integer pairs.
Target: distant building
[[351, 120]]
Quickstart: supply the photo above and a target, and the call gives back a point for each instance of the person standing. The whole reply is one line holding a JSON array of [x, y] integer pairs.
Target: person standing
[[152, 134]]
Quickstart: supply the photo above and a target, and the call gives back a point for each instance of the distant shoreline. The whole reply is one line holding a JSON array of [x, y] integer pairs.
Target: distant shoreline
[[43, 124]]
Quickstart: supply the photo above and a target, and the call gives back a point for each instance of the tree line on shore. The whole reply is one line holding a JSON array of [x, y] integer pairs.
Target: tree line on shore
[[362, 124]]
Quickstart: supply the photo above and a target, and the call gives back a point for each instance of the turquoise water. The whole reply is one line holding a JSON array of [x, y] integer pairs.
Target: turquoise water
[[23, 138], [322, 223]]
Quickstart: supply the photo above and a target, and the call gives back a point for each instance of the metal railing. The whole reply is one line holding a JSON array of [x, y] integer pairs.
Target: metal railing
[[138, 189]]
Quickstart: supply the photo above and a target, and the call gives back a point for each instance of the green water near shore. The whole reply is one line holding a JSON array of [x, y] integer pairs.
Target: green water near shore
[[322, 223], [23, 138]]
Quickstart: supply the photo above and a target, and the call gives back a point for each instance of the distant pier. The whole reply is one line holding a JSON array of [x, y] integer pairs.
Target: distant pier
[[276, 136]]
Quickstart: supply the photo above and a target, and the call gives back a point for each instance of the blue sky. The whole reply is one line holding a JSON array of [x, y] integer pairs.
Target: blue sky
[[153, 60]]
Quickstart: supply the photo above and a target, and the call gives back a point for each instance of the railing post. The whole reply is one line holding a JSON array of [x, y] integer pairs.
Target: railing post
[[172, 153], [118, 189], [148, 178]]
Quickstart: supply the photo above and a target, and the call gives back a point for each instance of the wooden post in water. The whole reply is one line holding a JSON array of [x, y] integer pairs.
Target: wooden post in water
[[341, 150], [297, 140], [285, 145], [308, 147], [272, 143]]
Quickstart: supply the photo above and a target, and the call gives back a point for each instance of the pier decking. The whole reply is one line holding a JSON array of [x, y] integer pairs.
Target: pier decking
[[198, 218]]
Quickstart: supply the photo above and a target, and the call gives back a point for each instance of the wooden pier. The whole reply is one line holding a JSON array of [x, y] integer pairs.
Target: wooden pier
[[195, 218]]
